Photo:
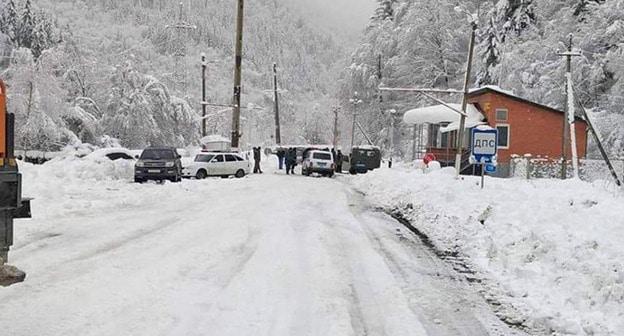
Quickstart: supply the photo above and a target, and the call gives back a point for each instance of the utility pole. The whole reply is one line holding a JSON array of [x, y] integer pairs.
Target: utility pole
[[237, 76], [204, 65], [355, 101], [462, 120], [568, 121], [414, 142], [180, 54], [278, 135], [335, 142]]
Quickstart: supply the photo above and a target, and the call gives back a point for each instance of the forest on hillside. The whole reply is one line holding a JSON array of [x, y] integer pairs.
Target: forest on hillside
[[424, 43], [87, 70]]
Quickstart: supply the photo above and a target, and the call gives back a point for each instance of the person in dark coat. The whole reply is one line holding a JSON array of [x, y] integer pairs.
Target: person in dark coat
[[294, 160], [339, 161], [281, 154], [291, 160], [257, 157]]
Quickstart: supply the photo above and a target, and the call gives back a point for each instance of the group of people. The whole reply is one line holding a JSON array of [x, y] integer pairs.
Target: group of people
[[287, 157]]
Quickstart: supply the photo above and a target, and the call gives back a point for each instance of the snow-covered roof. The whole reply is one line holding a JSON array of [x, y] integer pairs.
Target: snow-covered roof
[[493, 88], [441, 114], [214, 138]]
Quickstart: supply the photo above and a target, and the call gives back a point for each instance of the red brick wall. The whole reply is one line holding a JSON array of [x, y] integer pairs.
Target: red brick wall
[[532, 130]]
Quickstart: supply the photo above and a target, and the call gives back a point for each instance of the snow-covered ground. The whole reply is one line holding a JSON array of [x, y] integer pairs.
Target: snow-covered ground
[[265, 255], [550, 250]]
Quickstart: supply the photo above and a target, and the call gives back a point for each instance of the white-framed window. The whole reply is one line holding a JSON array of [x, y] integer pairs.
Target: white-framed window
[[504, 135], [502, 114]]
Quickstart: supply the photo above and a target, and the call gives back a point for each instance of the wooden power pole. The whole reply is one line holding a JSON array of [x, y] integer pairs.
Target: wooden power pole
[[568, 109], [462, 120], [278, 135], [335, 142], [204, 65], [237, 77]]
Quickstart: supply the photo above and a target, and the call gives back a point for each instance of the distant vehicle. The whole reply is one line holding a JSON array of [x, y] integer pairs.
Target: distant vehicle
[[158, 163], [300, 149], [217, 164], [318, 161], [364, 159]]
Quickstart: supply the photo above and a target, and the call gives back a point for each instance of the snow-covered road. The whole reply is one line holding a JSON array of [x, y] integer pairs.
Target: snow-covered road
[[265, 255]]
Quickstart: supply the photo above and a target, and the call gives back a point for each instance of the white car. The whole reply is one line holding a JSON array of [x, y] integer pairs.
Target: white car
[[318, 161], [217, 164]]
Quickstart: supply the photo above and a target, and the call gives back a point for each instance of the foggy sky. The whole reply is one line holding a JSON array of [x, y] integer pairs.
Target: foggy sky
[[344, 18]]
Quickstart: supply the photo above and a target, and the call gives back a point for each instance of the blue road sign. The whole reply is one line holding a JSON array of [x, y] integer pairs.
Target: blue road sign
[[484, 145]]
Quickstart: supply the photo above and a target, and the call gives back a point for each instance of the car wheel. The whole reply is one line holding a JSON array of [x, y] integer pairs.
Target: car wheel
[[330, 174], [240, 173], [201, 174], [138, 180], [352, 172]]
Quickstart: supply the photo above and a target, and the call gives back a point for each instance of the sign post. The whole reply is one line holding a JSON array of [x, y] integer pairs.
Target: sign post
[[484, 149]]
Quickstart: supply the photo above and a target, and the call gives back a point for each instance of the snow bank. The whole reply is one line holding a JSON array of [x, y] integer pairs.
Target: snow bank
[[93, 167], [553, 247]]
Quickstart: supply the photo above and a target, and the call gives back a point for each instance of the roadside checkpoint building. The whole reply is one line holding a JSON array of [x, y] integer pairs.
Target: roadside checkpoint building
[[524, 127]]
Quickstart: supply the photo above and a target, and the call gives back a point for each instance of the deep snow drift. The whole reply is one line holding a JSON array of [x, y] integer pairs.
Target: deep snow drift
[[551, 249]]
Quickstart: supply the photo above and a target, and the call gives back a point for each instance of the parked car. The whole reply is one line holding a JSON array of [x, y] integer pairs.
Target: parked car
[[318, 161], [158, 163], [218, 164]]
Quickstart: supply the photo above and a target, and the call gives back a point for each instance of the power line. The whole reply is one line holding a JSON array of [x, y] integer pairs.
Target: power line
[[180, 27]]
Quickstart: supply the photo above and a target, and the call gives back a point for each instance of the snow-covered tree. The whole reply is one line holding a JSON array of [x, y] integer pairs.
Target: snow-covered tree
[[26, 25], [8, 19]]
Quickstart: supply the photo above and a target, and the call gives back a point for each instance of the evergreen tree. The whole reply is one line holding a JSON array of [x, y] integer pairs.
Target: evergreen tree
[[489, 52], [8, 19], [385, 9], [26, 25], [582, 6], [516, 15]]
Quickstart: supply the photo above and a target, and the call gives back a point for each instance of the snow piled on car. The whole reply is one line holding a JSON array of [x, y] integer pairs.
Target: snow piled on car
[[553, 249], [95, 166]]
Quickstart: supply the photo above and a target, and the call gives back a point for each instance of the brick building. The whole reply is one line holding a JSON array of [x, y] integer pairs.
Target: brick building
[[525, 127]]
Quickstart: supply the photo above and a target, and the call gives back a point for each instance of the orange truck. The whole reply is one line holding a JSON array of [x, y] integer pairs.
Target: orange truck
[[3, 124], [12, 205]]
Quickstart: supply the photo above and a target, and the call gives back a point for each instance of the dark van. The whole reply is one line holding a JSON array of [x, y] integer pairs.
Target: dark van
[[364, 159]]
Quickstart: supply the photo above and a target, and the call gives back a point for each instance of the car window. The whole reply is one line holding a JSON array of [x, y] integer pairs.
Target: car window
[[238, 158], [322, 156], [157, 154], [219, 158], [203, 157], [230, 158]]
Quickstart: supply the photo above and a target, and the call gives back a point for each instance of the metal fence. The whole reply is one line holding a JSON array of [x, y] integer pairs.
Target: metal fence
[[589, 169]]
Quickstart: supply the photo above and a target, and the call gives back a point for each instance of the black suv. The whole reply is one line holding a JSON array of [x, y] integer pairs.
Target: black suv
[[158, 163]]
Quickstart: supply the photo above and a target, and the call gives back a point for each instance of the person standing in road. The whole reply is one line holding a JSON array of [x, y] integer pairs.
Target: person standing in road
[[294, 160], [280, 158], [257, 157], [291, 160], [339, 161]]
